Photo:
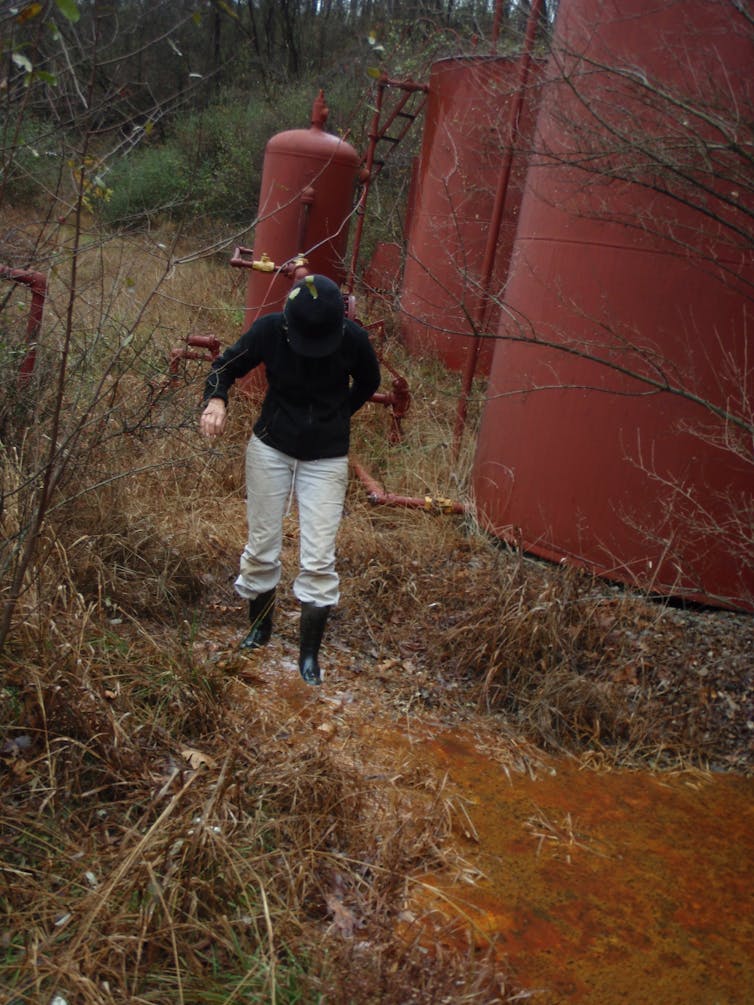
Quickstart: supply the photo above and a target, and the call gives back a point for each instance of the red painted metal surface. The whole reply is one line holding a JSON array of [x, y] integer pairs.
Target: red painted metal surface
[[305, 206], [199, 347], [465, 130], [485, 306], [382, 276], [617, 430]]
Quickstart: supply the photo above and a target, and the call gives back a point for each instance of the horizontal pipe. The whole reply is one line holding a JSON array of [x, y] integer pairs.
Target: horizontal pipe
[[378, 497]]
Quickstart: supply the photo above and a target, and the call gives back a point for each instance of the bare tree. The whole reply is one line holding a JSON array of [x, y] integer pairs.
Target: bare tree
[[59, 423]]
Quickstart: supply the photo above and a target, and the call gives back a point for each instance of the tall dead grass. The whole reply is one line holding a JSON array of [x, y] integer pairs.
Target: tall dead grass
[[157, 845]]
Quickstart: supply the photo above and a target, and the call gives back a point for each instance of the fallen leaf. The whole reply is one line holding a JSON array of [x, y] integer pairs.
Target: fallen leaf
[[197, 759], [387, 665], [343, 918]]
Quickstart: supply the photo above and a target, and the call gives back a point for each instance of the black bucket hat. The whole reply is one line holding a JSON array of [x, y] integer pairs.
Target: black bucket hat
[[313, 316]]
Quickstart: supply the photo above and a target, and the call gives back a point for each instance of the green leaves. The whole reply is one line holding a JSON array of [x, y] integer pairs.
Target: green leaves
[[69, 9], [22, 62]]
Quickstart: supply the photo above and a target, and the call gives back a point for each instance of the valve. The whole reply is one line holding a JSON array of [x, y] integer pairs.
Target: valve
[[264, 264], [243, 259]]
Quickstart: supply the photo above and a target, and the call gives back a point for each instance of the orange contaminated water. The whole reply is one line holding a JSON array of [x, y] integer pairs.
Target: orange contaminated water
[[591, 887], [608, 886]]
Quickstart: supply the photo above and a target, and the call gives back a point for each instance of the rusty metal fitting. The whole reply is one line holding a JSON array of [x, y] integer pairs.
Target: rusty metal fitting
[[297, 268], [209, 342], [37, 282], [243, 258]]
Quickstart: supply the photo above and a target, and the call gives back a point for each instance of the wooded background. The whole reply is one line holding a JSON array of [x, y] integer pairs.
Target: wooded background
[[127, 74]]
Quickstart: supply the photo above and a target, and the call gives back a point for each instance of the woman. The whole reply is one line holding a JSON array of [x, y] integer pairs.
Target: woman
[[321, 368]]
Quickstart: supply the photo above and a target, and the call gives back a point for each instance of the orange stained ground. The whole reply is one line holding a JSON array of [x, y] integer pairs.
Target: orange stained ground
[[594, 887], [610, 886]]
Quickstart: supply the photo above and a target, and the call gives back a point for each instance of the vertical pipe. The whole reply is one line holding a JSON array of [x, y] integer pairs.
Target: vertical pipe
[[493, 233], [377, 132], [367, 177], [37, 282]]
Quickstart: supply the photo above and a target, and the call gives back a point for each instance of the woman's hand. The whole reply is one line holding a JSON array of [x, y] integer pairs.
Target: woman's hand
[[212, 421]]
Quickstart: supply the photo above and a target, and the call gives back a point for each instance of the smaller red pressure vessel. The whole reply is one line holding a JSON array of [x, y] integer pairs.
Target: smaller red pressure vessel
[[305, 205]]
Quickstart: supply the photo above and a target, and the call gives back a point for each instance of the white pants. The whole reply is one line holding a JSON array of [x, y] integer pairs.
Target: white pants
[[320, 490]]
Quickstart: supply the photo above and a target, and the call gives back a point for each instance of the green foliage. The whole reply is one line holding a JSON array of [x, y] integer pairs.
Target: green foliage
[[152, 182], [69, 9], [31, 159], [210, 165], [224, 148]]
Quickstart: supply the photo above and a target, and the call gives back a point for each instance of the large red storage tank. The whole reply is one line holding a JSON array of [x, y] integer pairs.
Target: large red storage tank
[[617, 431], [305, 205], [466, 120]]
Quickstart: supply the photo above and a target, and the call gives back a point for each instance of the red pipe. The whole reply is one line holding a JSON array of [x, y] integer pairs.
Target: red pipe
[[307, 201], [493, 232], [243, 258], [295, 268], [366, 179], [209, 343], [399, 398], [377, 496], [399, 402], [37, 282], [496, 26]]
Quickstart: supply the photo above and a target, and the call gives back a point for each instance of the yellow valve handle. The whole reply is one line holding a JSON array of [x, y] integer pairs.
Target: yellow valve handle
[[264, 264]]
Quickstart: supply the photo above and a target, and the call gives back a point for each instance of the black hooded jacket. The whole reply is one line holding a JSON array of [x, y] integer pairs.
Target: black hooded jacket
[[306, 412]]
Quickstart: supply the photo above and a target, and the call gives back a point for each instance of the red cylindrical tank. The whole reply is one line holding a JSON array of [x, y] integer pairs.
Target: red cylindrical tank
[[617, 431], [464, 134], [305, 205]]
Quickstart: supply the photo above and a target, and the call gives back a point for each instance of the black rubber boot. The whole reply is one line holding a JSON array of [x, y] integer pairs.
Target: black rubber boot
[[313, 621], [260, 617]]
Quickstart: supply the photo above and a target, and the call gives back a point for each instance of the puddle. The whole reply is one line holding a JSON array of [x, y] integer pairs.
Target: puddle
[[611, 886], [595, 887]]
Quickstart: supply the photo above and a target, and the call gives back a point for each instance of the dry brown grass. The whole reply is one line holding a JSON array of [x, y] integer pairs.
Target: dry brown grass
[[158, 843], [157, 846]]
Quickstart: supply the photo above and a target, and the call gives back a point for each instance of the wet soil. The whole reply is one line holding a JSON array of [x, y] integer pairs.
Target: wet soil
[[587, 883], [612, 886]]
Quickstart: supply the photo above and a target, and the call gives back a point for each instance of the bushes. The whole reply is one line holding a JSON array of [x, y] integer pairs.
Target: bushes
[[152, 182], [211, 165], [31, 160], [207, 164]]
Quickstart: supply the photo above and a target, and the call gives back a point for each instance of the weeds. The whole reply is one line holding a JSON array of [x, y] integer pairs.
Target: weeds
[[165, 836], [138, 869]]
